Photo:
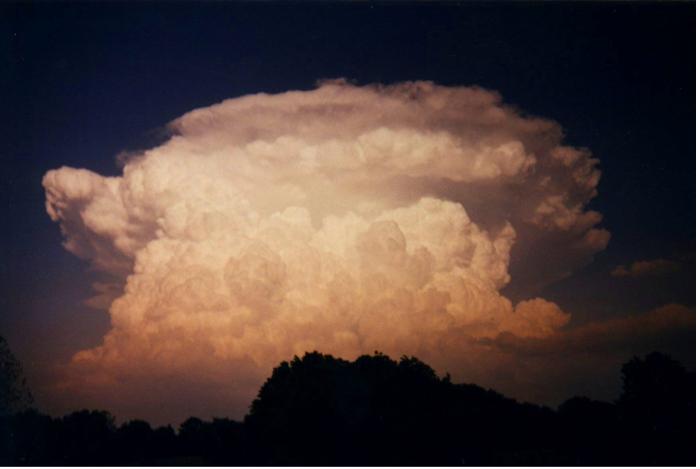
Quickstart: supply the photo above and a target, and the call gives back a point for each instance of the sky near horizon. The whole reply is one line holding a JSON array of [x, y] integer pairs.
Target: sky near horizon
[[197, 192]]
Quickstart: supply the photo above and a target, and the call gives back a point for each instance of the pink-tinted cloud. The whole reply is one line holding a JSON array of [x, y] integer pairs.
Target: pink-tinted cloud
[[646, 268], [345, 219], [586, 358]]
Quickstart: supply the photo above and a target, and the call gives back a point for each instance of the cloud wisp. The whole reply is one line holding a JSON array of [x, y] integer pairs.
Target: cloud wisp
[[646, 268], [345, 219]]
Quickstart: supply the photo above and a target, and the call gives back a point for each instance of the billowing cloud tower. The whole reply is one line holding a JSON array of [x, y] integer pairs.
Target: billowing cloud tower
[[346, 219]]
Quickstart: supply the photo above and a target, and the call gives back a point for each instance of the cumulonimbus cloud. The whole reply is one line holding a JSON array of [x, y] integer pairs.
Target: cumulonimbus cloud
[[345, 219]]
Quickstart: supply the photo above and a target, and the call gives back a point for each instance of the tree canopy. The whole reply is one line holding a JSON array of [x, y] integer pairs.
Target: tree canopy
[[14, 392], [322, 410]]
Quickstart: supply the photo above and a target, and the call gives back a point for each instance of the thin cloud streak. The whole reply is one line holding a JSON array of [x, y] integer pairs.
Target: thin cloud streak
[[646, 268]]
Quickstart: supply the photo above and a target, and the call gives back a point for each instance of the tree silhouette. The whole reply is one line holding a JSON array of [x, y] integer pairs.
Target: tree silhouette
[[591, 430], [322, 410], [219, 442], [14, 393], [87, 437], [657, 405], [136, 442]]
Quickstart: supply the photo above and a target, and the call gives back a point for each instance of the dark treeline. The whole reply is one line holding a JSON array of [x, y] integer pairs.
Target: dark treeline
[[320, 410]]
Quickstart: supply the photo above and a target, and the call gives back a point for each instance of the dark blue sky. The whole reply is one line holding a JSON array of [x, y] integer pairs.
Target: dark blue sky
[[82, 82]]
